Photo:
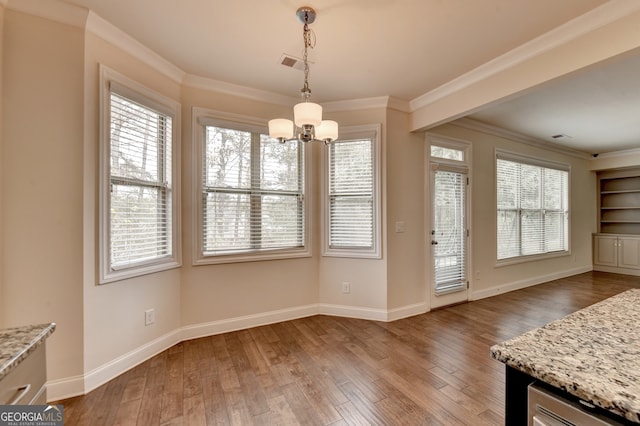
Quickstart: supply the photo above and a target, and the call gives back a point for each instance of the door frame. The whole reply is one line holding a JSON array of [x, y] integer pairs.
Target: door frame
[[451, 165]]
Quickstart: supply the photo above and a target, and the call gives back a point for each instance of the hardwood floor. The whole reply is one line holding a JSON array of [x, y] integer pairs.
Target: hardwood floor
[[430, 369]]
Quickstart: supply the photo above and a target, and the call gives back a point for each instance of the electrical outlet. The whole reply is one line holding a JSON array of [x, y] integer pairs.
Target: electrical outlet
[[149, 316], [346, 287]]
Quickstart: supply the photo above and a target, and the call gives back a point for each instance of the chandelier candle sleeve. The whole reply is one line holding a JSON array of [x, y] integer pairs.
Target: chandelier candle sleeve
[[307, 113], [327, 130], [281, 128]]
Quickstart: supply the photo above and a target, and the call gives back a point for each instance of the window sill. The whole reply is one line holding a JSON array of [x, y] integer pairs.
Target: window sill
[[137, 271], [256, 256], [531, 258], [354, 254]]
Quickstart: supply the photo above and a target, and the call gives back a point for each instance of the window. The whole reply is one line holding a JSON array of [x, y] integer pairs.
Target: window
[[447, 153], [251, 193], [444, 149], [139, 228], [351, 189], [449, 162], [532, 207]]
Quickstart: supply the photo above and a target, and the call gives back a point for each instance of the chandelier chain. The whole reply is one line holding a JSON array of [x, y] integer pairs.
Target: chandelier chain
[[309, 43]]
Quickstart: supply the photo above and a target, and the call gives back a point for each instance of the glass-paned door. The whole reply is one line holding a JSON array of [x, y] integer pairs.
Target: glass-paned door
[[449, 236]]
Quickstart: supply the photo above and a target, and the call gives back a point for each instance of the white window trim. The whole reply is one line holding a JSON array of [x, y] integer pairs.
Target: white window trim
[[152, 99], [535, 161], [464, 166], [451, 143], [349, 133], [202, 117]]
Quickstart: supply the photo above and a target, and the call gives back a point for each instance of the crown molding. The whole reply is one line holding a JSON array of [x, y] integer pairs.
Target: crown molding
[[471, 124], [217, 86], [613, 154], [69, 14], [83, 18], [605, 14], [399, 104], [367, 103], [112, 34], [209, 84]]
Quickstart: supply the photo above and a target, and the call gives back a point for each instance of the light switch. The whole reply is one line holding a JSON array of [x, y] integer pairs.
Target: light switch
[[400, 228]]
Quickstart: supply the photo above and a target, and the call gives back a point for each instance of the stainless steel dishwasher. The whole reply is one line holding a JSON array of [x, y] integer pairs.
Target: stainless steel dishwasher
[[550, 409]]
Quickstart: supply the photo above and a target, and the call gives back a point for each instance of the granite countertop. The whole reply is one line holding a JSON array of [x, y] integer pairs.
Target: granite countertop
[[18, 342], [593, 354]]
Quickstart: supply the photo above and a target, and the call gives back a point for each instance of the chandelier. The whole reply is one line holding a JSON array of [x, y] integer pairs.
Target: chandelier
[[307, 116]]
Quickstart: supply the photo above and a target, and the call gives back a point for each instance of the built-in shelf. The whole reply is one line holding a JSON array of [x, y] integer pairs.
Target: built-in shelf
[[620, 208], [627, 191], [619, 201]]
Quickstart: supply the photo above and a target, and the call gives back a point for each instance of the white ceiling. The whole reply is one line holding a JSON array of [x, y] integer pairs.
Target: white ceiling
[[398, 48], [597, 110]]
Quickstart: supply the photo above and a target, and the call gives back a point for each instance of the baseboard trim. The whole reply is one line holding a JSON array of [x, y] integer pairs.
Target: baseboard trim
[[353, 312], [517, 285], [407, 311], [65, 388], [616, 270], [240, 323], [79, 385]]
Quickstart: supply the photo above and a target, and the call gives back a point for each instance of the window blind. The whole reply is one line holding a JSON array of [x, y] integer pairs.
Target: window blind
[[351, 194], [140, 172], [253, 192], [532, 208], [449, 253]]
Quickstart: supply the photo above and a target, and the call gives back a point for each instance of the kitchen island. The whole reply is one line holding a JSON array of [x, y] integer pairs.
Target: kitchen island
[[23, 364], [592, 356]]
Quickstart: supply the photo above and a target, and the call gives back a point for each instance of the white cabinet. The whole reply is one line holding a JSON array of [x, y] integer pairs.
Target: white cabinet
[[629, 252], [605, 250], [25, 384], [616, 253], [616, 246]]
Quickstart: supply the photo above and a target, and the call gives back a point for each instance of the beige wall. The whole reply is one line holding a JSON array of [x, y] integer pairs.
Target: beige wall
[[48, 200], [486, 278], [405, 203], [114, 313], [367, 277], [616, 160], [211, 293], [3, 300], [42, 177]]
